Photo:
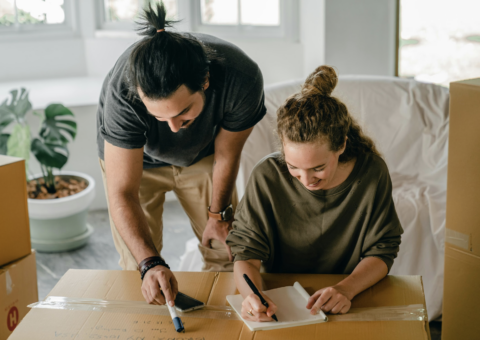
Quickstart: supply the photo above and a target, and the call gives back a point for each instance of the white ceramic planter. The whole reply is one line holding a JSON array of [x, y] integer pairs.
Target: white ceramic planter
[[61, 224]]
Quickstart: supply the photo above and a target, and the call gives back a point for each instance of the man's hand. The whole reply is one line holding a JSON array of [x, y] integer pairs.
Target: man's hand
[[217, 230], [156, 278], [330, 299]]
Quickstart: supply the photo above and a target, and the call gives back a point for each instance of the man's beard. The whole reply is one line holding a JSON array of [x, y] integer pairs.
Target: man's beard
[[186, 124]]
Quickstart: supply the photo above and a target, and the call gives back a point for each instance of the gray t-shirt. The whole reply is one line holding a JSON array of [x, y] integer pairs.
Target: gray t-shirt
[[234, 101]]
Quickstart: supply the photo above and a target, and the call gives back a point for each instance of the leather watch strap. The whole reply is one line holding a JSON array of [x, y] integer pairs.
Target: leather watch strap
[[217, 216]]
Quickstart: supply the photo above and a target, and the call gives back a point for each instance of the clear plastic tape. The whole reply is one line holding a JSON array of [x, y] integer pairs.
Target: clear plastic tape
[[131, 307], [393, 313], [8, 283], [458, 239]]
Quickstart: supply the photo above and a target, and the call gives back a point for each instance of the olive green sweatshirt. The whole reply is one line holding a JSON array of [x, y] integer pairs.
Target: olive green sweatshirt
[[294, 230]]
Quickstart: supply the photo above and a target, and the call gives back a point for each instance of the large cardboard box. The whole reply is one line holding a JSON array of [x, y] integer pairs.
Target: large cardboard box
[[461, 298], [128, 323], [14, 223], [18, 289]]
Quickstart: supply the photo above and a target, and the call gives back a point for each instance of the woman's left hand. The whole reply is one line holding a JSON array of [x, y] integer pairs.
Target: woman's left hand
[[330, 299]]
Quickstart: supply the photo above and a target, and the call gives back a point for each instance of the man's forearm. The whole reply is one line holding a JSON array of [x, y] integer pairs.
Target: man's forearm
[[132, 226], [225, 170]]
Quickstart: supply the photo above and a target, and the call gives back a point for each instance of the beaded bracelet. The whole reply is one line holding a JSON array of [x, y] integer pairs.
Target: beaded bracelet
[[149, 263]]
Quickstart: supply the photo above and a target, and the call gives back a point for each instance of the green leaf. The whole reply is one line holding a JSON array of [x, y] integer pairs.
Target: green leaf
[[6, 116], [17, 108], [55, 129], [18, 144], [3, 143], [22, 105], [50, 154]]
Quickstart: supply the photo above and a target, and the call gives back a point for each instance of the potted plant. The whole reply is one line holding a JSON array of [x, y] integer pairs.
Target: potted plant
[[57, 201]]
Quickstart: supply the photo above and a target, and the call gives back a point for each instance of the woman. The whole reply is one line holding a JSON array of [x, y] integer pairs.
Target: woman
[[322, 205]]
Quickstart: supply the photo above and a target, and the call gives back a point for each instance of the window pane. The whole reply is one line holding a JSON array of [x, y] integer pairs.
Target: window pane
[[122, 10], [219, 12], [129, 10], [7, 13], [439, 40], [260, 13], [40, 11], [171, 7]]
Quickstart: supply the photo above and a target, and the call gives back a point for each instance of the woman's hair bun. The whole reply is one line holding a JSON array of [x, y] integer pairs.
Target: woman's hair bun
[[321, 82]]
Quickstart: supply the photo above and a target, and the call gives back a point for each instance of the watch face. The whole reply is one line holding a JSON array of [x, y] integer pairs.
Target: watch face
[[227, 213]]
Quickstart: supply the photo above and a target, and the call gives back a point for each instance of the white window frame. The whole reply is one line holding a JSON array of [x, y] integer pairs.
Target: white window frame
[[66, 29], [287, 30]]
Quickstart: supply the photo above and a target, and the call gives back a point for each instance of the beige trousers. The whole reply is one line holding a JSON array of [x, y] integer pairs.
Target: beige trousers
[[193, 187]]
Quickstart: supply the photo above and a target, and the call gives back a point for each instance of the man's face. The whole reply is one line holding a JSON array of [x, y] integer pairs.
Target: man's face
[[179, 110]]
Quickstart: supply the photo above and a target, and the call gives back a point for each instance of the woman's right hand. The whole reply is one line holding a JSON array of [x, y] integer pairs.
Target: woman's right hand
[[260, 313]]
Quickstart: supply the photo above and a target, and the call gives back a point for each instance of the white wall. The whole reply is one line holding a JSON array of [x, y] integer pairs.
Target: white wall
[[360, 36], [312, 34], [355, 36], [42, 58]]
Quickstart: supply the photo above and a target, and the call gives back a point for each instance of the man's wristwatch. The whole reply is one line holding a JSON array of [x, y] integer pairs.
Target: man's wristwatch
[[225, 215]]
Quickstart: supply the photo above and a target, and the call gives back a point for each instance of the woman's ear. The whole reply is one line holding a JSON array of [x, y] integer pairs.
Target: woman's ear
[[342, 150]]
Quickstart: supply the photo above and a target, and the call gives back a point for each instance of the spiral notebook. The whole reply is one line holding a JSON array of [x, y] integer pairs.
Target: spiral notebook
[[291, 312]]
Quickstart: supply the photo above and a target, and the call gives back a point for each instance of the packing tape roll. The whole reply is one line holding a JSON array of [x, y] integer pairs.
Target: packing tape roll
[[391, 313]]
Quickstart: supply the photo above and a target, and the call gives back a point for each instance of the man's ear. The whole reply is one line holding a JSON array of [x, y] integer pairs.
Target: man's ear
[[206, 84]]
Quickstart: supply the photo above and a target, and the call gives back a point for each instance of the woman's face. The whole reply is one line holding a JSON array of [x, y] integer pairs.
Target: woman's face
[[313, 164]]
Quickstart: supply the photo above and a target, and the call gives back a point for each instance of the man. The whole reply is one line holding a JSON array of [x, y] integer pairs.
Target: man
[[174, 114]]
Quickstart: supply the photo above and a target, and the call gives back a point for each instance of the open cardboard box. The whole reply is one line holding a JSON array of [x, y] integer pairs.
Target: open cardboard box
[[461, 299], [212, 289], [18, 288], [14, 223]]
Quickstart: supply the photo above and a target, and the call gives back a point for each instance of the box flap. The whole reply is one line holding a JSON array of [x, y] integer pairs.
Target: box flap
[[5, 160], [473, 82], [125, 285], [463, 194], [14, 222], [391, 291], [211, 288], [18, 288]]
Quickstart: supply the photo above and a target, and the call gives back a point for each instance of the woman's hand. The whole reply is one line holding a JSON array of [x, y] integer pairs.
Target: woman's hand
[[253, 305], [330, 299]]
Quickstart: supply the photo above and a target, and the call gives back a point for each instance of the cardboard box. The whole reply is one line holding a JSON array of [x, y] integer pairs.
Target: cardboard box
[[18, 288], [462, 242], [14, 223], [212, 289]]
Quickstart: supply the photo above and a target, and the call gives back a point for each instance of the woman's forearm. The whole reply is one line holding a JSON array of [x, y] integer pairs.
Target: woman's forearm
[[252, 269], [368, 272]]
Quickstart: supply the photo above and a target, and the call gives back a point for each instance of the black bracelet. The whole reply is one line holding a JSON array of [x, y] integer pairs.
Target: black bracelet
[[151, 265]]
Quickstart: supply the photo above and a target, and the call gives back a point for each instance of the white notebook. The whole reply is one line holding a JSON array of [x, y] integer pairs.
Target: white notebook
[[291, 302]]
